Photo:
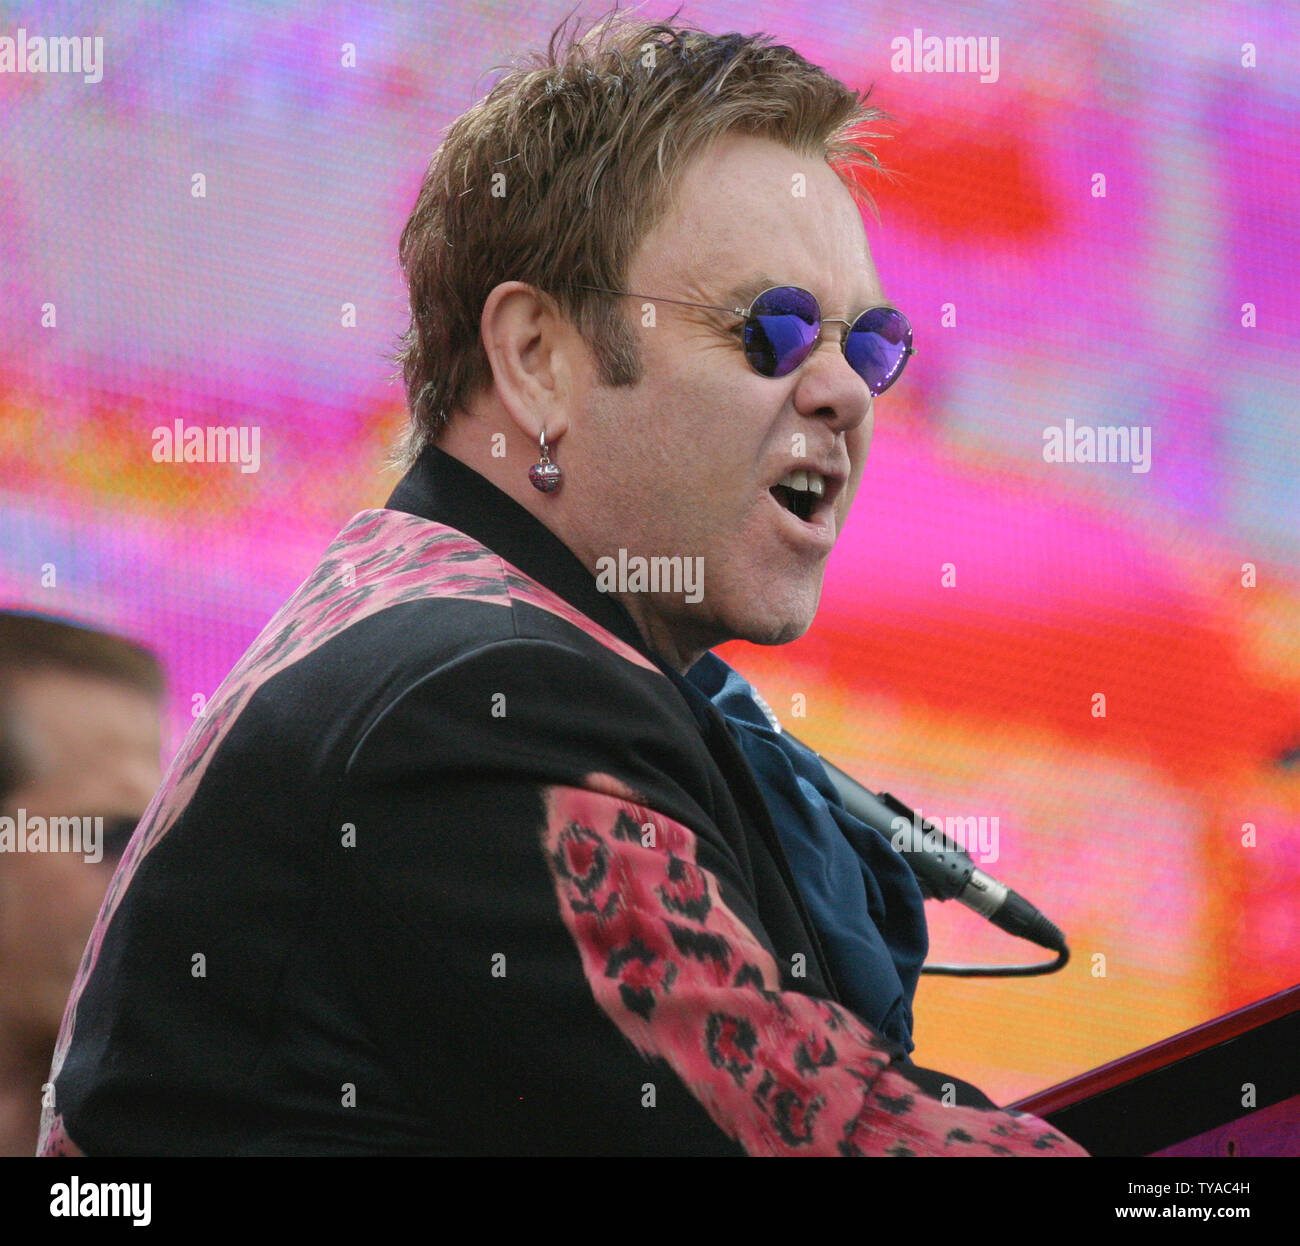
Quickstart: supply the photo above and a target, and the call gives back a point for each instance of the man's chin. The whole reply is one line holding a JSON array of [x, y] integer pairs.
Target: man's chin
[[787, 634], [778, 630], [778, 624]]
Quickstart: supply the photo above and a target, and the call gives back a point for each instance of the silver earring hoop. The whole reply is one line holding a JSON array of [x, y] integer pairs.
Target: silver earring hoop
[[545, 475]]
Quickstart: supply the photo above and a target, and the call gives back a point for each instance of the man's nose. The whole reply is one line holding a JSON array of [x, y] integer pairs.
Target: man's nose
[[829, 387]]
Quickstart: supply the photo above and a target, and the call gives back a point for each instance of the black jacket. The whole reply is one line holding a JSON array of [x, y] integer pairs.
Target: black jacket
[[452, 864]]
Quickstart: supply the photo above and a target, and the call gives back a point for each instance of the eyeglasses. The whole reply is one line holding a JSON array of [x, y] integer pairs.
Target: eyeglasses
[[784, 323]]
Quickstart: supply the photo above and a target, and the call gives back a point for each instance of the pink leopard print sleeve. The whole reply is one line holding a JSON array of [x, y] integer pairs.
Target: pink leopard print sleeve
[[685, 980], [57, 1142]]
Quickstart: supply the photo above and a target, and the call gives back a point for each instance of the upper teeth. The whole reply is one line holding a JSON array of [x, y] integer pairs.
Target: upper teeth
[[805, 482]]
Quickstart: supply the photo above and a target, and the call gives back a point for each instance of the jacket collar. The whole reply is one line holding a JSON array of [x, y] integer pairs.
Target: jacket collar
[[441, 488]]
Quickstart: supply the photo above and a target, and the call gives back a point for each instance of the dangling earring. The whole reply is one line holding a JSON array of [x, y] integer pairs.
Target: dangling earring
[[545, 475]]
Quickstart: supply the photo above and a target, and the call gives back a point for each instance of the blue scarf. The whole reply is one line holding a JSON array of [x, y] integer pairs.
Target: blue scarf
[[861, 895]]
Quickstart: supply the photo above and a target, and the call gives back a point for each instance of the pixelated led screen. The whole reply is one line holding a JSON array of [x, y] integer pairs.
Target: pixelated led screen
[[1067, 602]]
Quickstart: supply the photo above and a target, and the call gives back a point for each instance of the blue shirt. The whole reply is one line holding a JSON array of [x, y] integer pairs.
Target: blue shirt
[[861, 895]]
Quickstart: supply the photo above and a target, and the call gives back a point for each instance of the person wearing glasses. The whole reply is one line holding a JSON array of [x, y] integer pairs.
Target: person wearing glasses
[[80, 756], [463, 858]]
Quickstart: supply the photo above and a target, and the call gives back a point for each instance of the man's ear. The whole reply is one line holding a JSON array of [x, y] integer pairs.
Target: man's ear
[[530, 347]]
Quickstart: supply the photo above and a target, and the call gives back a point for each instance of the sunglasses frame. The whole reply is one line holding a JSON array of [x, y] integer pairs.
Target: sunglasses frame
[[746, 312]]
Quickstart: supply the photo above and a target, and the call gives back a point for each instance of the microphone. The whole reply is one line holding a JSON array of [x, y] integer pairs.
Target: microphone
[[942, 868]]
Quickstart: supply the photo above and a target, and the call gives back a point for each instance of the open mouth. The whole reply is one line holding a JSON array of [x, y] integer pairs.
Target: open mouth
[[800, 492], [798, 502]]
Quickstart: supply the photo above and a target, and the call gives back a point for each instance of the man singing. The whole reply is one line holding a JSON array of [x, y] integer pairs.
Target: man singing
[[459, 860]]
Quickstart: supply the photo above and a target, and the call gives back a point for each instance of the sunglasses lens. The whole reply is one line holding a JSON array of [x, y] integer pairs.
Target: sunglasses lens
[[878, 346], [781, 330]]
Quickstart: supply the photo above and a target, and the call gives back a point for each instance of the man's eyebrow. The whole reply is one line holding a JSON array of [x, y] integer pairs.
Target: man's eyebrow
[[745, 293]]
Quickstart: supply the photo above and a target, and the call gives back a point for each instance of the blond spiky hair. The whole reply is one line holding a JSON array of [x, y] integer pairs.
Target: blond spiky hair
[[591, 137]]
